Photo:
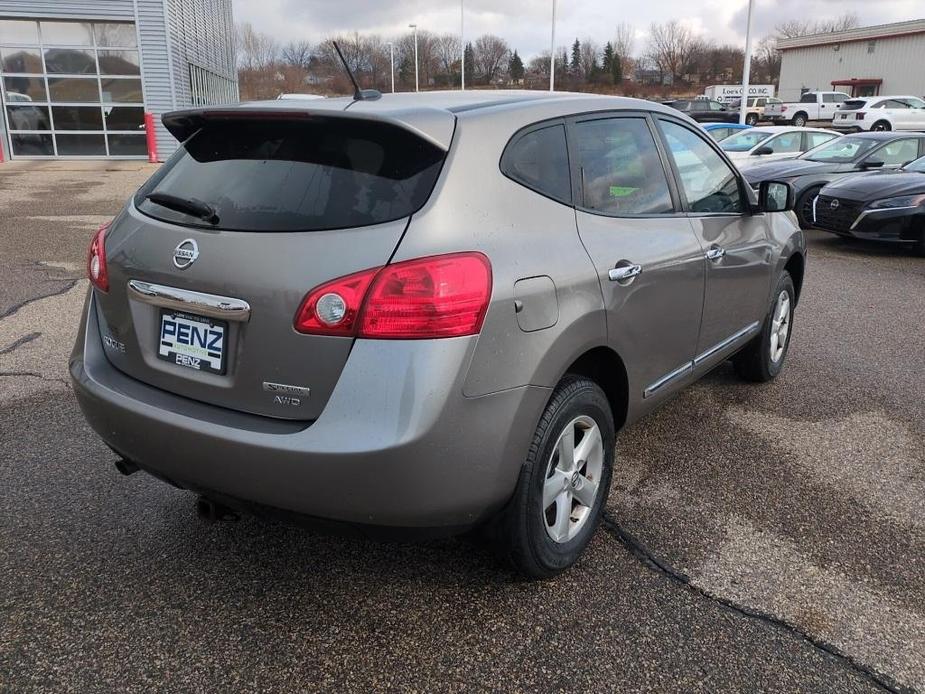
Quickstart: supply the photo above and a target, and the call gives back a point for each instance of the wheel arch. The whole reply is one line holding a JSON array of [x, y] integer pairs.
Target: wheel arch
[[605, 367], [796, 266]]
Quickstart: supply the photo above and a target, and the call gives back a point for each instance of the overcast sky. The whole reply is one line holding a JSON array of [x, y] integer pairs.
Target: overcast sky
[[525, 23]]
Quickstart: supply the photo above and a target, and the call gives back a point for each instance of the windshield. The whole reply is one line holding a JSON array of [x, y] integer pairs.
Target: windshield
[[918, 166], [744, 141], [842, 150], [293, 176]]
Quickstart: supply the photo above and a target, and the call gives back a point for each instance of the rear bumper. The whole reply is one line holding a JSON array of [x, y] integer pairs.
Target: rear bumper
[[397, 443]]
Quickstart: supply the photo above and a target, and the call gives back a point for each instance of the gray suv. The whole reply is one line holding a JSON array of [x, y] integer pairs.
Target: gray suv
[[426, 312]]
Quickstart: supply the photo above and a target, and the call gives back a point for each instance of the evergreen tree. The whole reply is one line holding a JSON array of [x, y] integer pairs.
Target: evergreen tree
[[575, 65], [470, 62], [608, 58], [616, 69], [516, 68]]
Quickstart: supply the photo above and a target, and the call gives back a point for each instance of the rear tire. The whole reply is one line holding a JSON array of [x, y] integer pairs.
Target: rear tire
[[763, 358], [555, 510], [881, 126], [804, 207], [751, 119], [799, 120]]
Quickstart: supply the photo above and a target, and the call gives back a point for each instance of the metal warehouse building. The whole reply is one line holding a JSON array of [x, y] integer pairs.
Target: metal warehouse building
[[76, 76], [869, 61]]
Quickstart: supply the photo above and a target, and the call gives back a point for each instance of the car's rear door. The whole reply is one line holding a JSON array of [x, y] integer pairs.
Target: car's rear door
[[649, 262], [204, 307], [736, 243]]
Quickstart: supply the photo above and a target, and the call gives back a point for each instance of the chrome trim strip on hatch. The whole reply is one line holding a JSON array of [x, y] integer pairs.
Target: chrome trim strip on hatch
[[729, 341], [210, 305], [682, 370]]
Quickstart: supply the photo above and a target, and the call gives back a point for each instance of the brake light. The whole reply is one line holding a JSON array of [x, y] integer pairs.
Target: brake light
[[859, 115], [97, 272], [433, 297]]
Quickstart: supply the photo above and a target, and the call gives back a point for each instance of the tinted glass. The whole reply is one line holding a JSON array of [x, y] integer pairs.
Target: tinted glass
[[816, 139], [21, 60], [707, 181], [119, 63], [539, 160], [719, 133], [127, 145], [788, 143], [81, 145], [24, 89], [32, 145], [121, 35], [73, 89], [124, 117], [745, 140], [71, 61], [842, 150], [303, 176], [853, 105], [898, 152], [840, 98], [77, 117], [828, 98], [67, 34], [121, 91], [808, 99], [621, 172], [18, 31], [915, 103], [28, 117], [716, 106], [918, 165]]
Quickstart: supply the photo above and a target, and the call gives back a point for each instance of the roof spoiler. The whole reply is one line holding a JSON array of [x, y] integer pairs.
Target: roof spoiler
[[434, 125]]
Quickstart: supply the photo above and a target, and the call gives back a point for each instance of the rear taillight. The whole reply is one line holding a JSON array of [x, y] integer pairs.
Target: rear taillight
[[96, 260], [437, 296], [859, 115]]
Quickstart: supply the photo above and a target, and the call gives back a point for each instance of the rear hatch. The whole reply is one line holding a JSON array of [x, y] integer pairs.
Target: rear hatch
[[209, 262]]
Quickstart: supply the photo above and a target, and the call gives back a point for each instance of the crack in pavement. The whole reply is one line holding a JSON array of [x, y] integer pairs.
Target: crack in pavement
[[20, 342], [33, 374], [652, 561], [68, 286]]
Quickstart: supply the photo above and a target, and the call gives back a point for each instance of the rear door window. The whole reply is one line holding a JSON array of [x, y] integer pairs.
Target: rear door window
[[896, 153], [305, 175], [620, 170], [538, 159], [787, 143]]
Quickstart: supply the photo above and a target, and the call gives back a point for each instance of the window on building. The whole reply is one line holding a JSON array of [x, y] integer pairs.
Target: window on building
[[71, 88]]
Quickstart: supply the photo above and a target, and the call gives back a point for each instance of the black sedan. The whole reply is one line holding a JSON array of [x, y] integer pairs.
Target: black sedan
[[838, 158], [881, 206], [704, 110]]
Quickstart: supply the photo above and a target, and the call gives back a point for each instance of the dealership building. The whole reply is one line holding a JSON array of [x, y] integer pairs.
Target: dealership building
[[77, 76], [868, 61]]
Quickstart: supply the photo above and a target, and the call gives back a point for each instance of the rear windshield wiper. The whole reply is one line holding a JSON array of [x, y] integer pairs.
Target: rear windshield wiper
[[190, 206]]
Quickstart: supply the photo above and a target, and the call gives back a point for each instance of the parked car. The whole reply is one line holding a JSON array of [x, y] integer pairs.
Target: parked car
[[754, 108], [774, 142], [881, 113], [720, 131], [811, 106], [837, 158], [430, 311], [704, 110], [879, 206]]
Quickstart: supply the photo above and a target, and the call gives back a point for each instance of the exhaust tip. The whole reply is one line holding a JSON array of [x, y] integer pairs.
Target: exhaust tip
[[212, 512], [125, 467]]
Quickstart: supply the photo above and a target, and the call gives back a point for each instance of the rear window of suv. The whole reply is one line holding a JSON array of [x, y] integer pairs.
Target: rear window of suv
[[306, 175]]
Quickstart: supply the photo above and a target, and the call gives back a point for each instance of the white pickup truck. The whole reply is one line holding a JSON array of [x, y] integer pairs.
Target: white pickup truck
[[811, 106]]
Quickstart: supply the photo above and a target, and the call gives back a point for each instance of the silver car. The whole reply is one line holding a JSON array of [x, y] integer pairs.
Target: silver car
[[427, 312]]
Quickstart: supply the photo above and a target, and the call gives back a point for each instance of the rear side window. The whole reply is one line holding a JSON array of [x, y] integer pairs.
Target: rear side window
[[538, 159], [808, 99], [853, 105], [297, 175], [621, 172]]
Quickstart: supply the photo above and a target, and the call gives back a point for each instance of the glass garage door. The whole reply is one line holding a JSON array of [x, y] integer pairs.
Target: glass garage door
[[71, 89]]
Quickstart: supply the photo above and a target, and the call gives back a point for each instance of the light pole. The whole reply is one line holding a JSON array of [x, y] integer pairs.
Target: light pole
[[552, 50], [417, 85], [392, 63], [747, 67], [462, 46]]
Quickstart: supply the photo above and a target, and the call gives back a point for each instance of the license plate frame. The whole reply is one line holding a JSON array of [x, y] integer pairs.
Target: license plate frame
[[195, 347]]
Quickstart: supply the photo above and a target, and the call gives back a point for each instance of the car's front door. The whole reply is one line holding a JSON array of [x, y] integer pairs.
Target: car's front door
[[736, 242], [894, 154], [916, 112], [650, 264]]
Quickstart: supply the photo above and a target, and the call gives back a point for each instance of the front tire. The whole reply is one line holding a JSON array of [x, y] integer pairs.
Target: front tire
[[563, 484], [881, 126], [751, 119], [799, 120], [762, 359]]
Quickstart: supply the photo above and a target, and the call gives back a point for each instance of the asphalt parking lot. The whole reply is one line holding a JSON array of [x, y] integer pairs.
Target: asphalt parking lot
[[758, 538]]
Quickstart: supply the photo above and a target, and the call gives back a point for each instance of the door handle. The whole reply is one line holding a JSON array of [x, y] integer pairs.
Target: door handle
[[715, 253], [624, 272]]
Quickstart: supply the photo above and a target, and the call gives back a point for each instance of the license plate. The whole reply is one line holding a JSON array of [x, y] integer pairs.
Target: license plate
[[844, 116], [194, 342]]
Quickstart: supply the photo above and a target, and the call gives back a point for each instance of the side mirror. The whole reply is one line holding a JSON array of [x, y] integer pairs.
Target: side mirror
[[872, 164], [762, 151], [775, 196]]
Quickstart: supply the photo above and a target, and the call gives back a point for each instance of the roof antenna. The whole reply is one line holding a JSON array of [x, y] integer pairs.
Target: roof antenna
[[358, 94]]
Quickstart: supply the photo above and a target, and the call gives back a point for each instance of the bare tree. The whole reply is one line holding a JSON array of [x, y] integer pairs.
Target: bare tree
[[670, 46], [447, 48], [803, 27], [298, 54], [588, 54], [766, 61], [624, 40], [256, 50], [490, 55]]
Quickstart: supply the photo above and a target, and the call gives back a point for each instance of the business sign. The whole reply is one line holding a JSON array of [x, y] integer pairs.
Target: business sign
[[733, 92]]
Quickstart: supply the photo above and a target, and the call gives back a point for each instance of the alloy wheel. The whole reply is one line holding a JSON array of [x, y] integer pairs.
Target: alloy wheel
[[780, 326]]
